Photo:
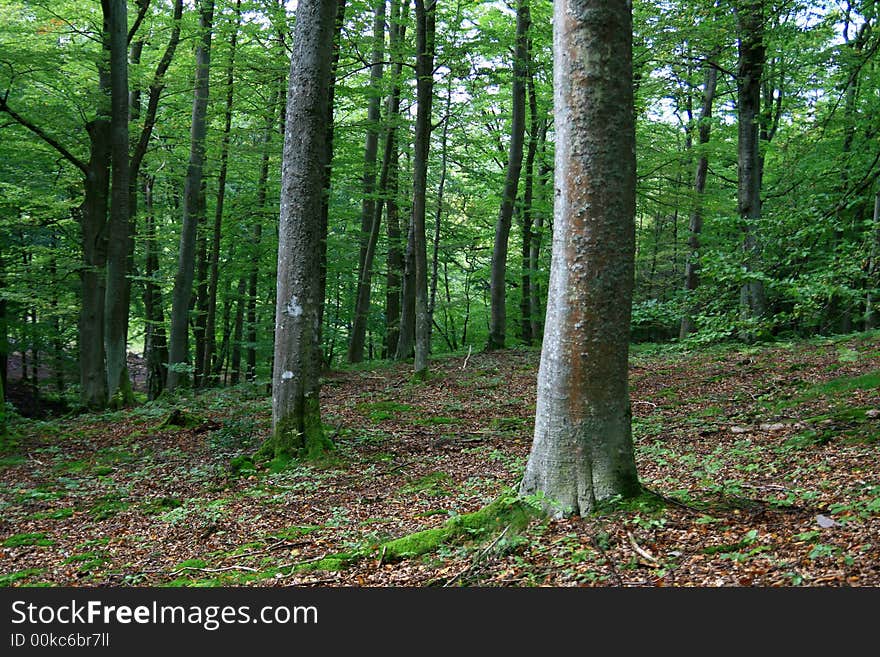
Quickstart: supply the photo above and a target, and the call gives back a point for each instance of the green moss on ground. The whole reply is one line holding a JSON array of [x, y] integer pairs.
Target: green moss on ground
[[506, 511]]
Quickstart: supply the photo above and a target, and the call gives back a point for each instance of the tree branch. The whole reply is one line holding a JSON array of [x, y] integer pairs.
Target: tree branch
[[42, 134], [143, 6], [156, 87]]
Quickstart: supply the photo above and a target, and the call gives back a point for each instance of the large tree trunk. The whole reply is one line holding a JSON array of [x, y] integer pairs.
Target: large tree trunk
[[192, 204], [498, 286], [369, 217], [582, 451], [425, 25], [214, 263], [296, 415], [118, 246], [695, 224], [93, 220], [750, 17]]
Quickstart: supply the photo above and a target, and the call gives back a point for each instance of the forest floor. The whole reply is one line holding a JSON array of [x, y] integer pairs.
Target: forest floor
[[764, 458]]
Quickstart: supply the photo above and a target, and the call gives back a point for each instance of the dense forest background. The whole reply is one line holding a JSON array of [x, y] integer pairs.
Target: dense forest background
[[86, 251]]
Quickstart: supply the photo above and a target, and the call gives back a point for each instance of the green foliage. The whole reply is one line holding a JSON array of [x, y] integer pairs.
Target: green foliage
[[10, 579], [21, 540]]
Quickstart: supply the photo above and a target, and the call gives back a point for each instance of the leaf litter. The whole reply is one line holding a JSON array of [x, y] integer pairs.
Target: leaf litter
[[762, 461]]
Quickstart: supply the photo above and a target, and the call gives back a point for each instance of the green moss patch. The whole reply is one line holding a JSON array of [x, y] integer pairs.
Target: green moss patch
[[12, 578], [23, 540], [505, 512]]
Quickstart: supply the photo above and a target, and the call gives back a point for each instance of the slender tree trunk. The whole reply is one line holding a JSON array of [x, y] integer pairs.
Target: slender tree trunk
[[118, 245], [438, 215], [238, 332], [695, 223], [544, 170], [4, 327], [582, 451], [750, 17], [257, 236], [296, 415], [526, 210], [425, 26], [394, 258], [329, 126], [872, 315], [192, 204], [407, 325], [498, 286], [369, 217], [155, 341], [214, 264], [200, 299], [57, 344], [222, 354]]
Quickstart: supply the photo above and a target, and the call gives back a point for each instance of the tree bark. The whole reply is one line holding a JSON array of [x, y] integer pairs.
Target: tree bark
[[497, 285], [438, 215], [750, 17], [370, 219], [872, 315], [544, 172], [526, 210], [328, 171], [93, 220], [237, 333], [394, 258], [695, 223], [155, 341], [406, 327], [582, 451], [117, 297], [257, 236], [192, 205], [296, 415], [425, 27], [216, 233]]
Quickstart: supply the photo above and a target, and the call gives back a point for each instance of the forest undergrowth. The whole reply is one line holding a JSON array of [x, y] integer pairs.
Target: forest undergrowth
[[760, 464]]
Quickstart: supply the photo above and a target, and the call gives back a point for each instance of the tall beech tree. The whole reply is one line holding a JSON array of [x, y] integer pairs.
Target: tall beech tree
[[695, 224], [193, 204], [296, 413], [214, 262], [370, 219], [426, 16], [752, 54], [498, 285], [116, 300], [582, 451]]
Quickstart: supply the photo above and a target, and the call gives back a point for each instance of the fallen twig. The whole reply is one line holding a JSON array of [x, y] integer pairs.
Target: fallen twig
[[464, 364], [212, 570], [642, 552], [277, 545]]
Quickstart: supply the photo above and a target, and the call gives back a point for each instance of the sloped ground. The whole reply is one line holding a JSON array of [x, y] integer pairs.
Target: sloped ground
[[765, 458]]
